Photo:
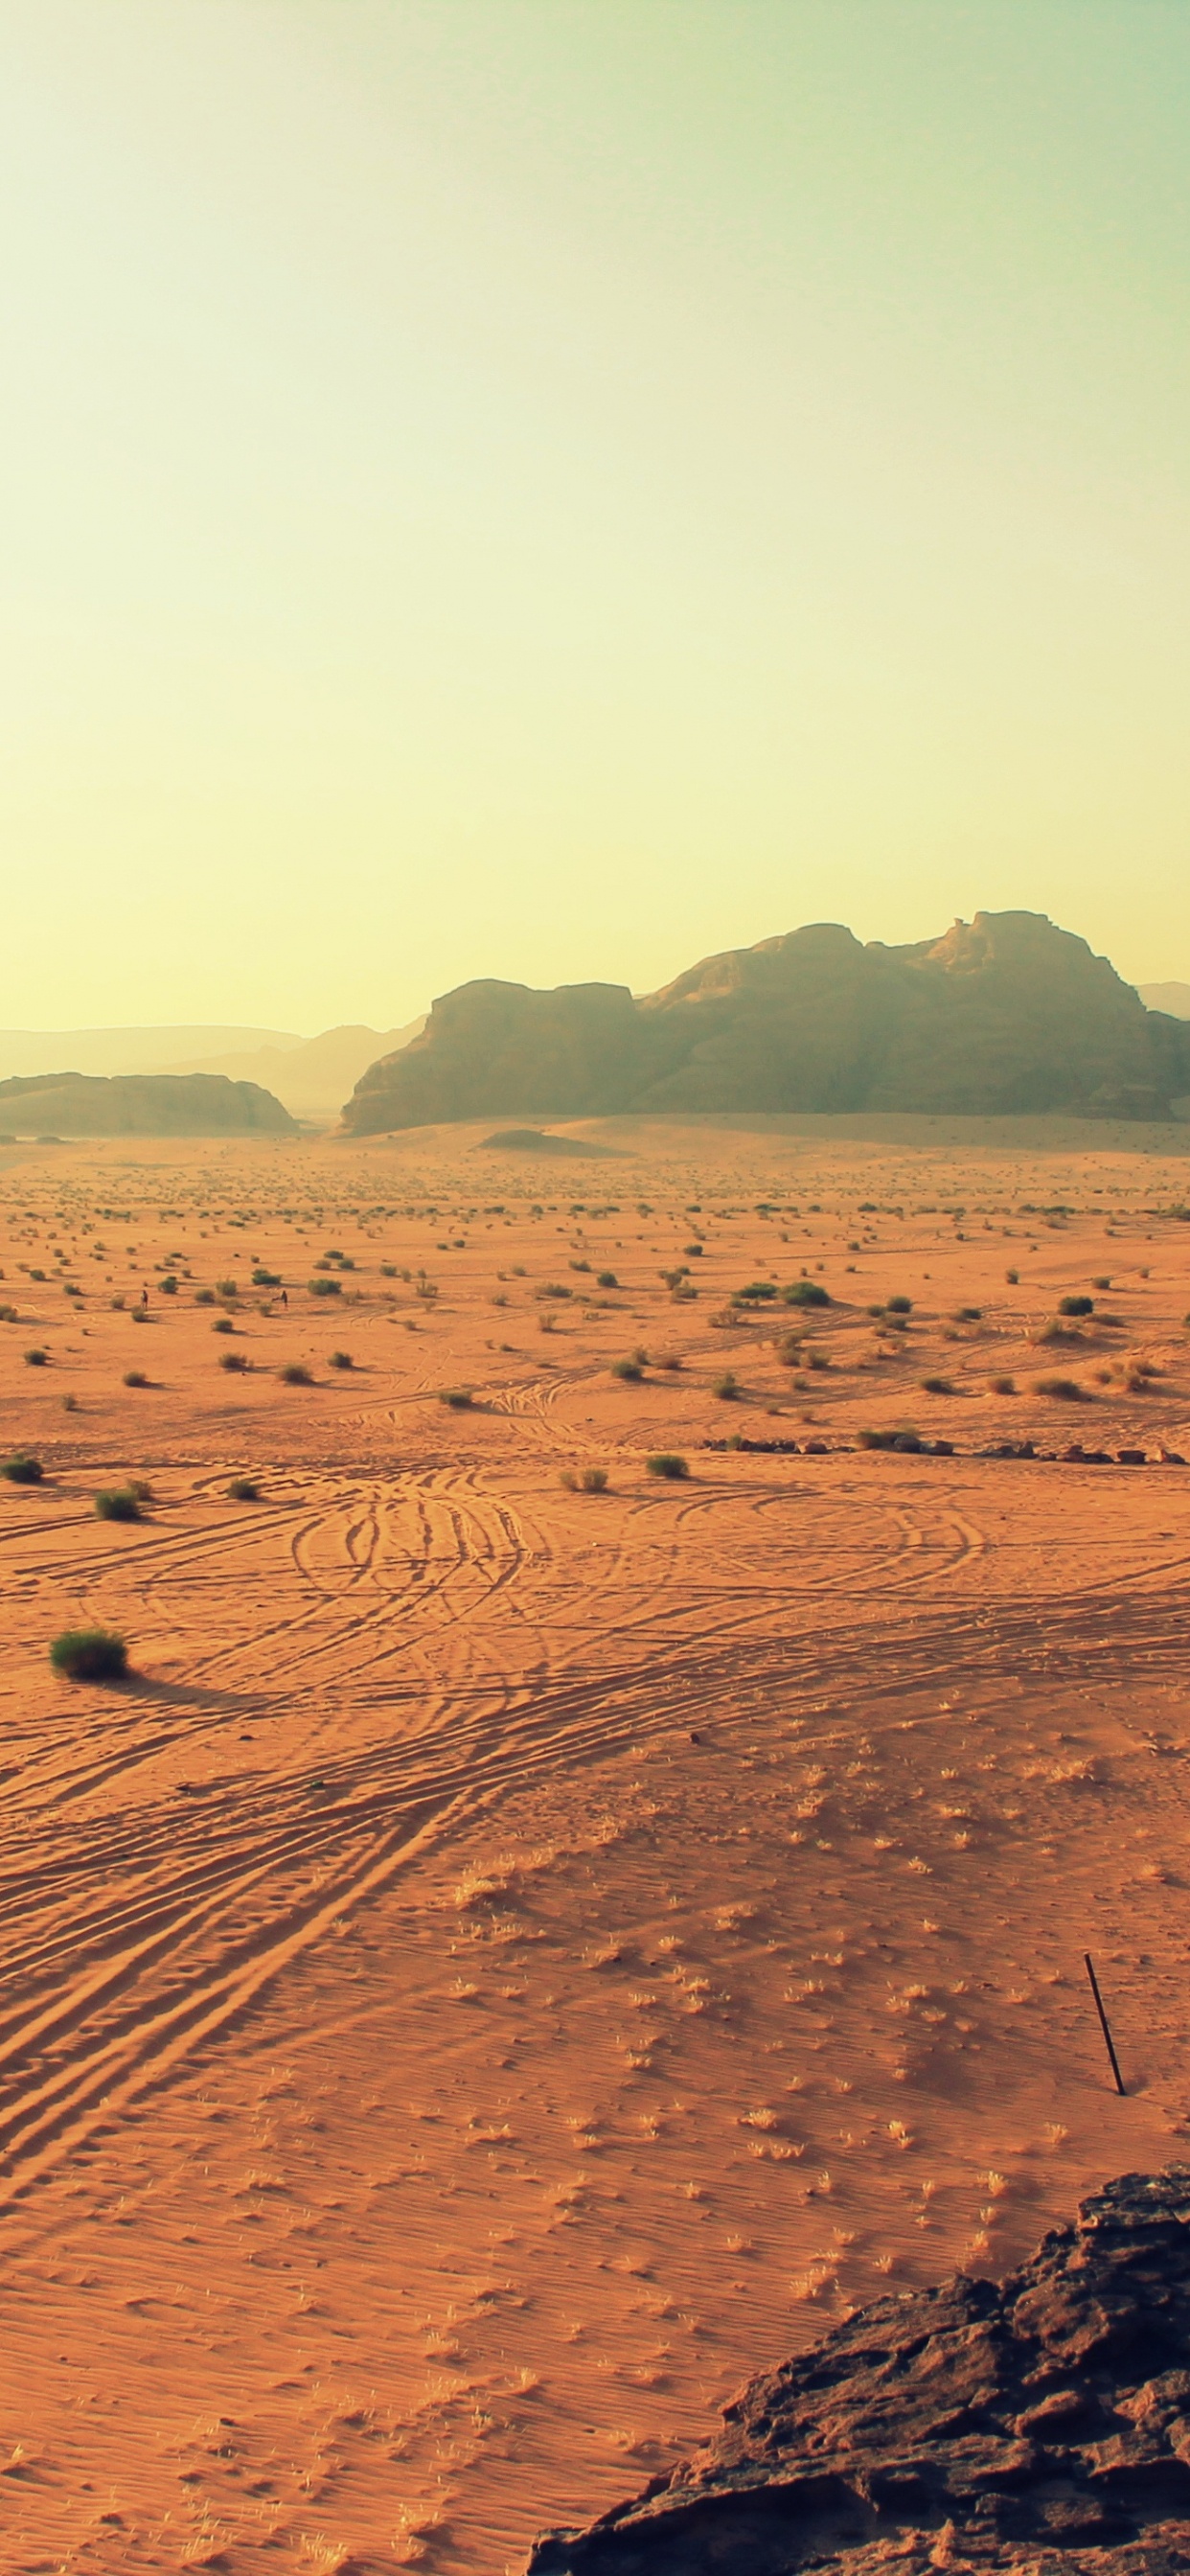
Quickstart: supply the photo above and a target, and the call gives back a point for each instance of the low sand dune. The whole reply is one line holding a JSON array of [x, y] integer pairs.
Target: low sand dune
[[513, 1961]]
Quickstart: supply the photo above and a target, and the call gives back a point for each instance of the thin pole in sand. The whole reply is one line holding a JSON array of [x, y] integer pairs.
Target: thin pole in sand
[[1108, 2041]]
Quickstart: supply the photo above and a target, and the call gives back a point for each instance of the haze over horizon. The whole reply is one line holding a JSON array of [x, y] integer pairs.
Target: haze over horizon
[[557, 494]]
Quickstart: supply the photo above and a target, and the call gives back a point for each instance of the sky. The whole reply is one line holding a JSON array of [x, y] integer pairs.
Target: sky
[[556, 488]]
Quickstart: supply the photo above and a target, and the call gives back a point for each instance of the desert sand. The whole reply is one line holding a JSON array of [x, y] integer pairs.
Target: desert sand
[[512, 1961]]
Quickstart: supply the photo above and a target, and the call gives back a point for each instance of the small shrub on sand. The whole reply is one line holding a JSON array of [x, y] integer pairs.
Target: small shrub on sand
[[37, 1359], [118, 1503], [243, 1489], [340, 1360], [727, 1387], [1066, 1389], [607, 1279], [459, 1399], [223, 1324], [1013, 1277], [90, 1655], [295, 1373], [135, 1377], [584, 1480], [938, 1385], [1076, 1305], [805, 1292], [629, 1370], [905, 1438], [21, 1469], [70, 1404], [1101, 1283], [667, 1462], [204, 1297], [262, 1278], [324, 1287], [1003, 1385], [169, 1285], [900, 1306], [236, 1361]]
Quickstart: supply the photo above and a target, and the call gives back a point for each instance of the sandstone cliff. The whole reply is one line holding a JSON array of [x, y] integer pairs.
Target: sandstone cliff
[[1042, 2424], [1003, 1014], [139, 1104]]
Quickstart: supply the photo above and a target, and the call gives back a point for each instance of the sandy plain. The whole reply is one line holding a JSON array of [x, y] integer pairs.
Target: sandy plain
[[512, 1961]]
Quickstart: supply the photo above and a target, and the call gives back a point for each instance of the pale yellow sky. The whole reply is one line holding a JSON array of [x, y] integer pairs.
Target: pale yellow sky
[[551, 488]]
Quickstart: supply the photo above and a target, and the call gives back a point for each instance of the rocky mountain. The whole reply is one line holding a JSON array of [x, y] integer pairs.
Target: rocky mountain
[[139, 1104], [1041, 2424], [1003, 1014], [154, 1050]]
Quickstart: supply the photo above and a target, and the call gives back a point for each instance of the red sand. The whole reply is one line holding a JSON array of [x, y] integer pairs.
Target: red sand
[[513, 1961]]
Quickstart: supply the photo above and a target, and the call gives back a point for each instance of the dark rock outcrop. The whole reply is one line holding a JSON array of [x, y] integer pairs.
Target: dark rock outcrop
[[139, 1104], [1004, 1014], [1042, 2423]]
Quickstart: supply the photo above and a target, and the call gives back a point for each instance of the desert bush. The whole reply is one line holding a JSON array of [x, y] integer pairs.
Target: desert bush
[[243, 1489], [328, 1288], [667, 1462], [1066, 1389], [900, 1305], [1003, 1385], [37, 1359], [21, 1469], [169, 1285], [341, 1360], [1076, 1306], [118, 1503], [905, 1438], [938, 1385], [135, 1377], [671, 1360], [226, 1288], [1101, 1283], [630, 1370], [223, 1324], [593, 1480], [726, 1387], [553, 1288], [1013, 1277], [70, 1404], [693, 1251], [262, 1278], [90, 1655], [202, 1297], [756, 1293], [9, 1315], [458, 1398], [579, 1265], [968, 1314], [805, 1292], [295, 1373], [791, 1350], [237, 1362], [607, 1279]]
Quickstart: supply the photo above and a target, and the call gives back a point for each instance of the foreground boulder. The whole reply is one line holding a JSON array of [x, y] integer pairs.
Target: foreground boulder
[[1040, 2423]]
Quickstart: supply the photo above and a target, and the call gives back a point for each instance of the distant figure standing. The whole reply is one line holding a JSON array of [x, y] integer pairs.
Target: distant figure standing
[[285, 1297], [144, 1296]]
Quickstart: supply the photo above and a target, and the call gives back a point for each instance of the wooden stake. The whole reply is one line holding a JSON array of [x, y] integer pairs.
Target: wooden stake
[[1115, 2063]]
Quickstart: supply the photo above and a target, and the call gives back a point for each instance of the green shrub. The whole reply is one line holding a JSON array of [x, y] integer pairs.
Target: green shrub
[[118, 1503], [1076, 1305], [667, 1462], [593, 1480], [1101, 1283], [805, 1292], [938, 1385], [235, 1361], [90, 1655], [900, 1305], [135, 1377], [202, 1297], [755, 1293], [341, 1360], [169, 1285], [1067, 1389], [243, 1489], [726, 1387], [262, 1278], [969, 1315], [223, 1324], [1003, 1386], [607, 1279], [226, 1288], [37, 1359], [21, 1469], [295, 1373], [9, 1315], [324, 1287], [70, 1404], [1013, 1278], [630, 1370], [905, 1438], [458, 1398]]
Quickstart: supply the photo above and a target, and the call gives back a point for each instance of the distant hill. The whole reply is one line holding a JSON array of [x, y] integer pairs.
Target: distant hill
[[139, 1104], [126, 1050], [1172, 998], [1003, 1014], [313, 1076]]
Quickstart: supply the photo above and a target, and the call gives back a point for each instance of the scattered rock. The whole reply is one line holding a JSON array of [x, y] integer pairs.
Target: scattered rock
[[1042, 2423]]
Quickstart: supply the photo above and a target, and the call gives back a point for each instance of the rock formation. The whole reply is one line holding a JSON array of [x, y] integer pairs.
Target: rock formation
[[1042, 2423], [1004, 1014], [139, 1104]]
